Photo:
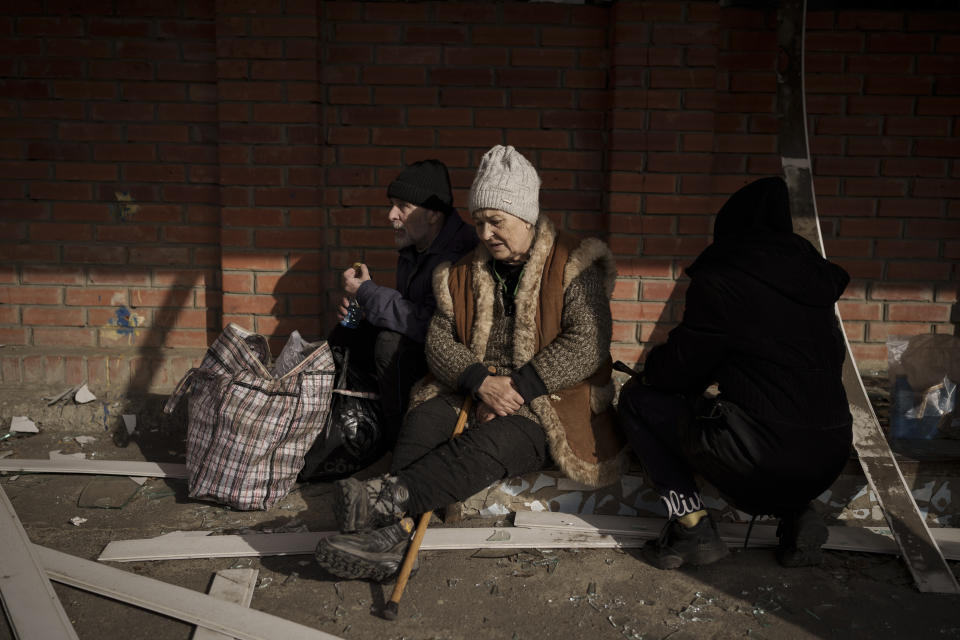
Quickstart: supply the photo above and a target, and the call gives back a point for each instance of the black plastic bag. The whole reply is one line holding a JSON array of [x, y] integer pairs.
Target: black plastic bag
[[352, 438]]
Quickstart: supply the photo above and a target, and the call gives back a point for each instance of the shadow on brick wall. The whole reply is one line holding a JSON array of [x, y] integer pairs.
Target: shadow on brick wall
[[154, 430], [300, 305], [148, 365]]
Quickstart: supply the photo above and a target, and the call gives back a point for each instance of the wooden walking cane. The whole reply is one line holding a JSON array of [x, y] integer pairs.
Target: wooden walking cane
[[391, 610]]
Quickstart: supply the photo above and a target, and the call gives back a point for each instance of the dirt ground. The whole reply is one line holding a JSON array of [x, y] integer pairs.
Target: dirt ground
[[456, 594]]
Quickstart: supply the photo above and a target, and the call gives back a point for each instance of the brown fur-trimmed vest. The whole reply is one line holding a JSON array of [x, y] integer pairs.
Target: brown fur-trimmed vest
[[579, 422]]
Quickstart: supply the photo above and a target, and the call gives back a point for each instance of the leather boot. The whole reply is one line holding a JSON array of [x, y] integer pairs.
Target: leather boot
[[372, 555], [361, 505]]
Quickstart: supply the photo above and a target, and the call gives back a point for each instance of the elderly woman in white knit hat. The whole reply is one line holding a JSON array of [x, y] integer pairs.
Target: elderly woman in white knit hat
[[522, 327]]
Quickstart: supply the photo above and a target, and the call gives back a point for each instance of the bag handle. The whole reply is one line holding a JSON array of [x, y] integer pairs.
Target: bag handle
[[342, 378], [368, 395], [624, 368], [183, 387]]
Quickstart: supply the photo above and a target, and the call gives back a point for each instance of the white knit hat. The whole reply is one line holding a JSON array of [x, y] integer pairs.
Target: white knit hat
[[508, 182]]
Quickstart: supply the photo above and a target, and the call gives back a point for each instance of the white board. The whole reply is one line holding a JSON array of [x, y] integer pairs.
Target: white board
[[32, 607], [229, 585], [178, 602], [862, 539], [97, 467], [178, 546]]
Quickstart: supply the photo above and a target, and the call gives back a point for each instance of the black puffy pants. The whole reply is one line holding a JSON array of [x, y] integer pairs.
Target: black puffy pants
[[438, 470], [395, 360], [676, 437]]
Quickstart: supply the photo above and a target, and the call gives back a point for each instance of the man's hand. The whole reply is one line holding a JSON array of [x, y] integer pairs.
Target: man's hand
[[352, 281], [497, 392], [343, 308], [485, 413]]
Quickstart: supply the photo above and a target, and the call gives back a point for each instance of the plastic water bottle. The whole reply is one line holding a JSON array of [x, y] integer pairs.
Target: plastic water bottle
[[352, 319]]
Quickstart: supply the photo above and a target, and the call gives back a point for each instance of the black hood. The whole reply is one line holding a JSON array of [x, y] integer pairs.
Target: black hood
[[763, 206], [753, 233]]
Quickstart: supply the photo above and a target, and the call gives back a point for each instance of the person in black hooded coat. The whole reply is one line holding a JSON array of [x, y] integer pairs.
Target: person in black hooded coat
[[759, 322]]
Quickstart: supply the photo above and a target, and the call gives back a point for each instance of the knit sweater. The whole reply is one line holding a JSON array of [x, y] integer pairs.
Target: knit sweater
[[507, 342], [573, 356]]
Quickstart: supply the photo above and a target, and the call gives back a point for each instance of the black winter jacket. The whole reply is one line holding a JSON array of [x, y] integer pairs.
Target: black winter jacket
[[760, 321], [408, 308]]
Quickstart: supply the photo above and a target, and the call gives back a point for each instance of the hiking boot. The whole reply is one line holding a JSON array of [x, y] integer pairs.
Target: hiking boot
[[801, 535], [373, 555], [678, 545], [361, 505]]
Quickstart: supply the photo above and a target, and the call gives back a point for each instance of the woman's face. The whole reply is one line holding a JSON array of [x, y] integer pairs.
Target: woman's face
[[507, 237]]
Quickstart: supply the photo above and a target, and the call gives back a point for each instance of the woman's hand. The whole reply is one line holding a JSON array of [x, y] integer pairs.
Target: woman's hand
[[498, 394]]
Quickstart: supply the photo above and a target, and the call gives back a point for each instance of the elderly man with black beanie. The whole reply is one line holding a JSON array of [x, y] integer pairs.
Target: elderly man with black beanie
[[389, 339]]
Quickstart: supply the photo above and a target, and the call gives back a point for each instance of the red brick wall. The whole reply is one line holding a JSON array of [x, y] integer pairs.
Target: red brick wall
[[449, 80], [272, 221], [695, 87], [110, 232], [180, 165], [885, 127]]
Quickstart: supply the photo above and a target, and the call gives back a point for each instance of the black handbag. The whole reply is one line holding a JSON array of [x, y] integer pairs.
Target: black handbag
[[352, 438]]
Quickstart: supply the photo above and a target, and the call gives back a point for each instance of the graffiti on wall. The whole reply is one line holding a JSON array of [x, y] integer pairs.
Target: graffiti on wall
[[124, 325]]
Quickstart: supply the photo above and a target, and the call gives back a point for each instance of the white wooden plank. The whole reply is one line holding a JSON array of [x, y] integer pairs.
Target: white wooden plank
[[32, 607], [266, 544], [179, 546], [571, 531], [235, 585], [229, 585], [642, 527], [487, 538], [863, 539], [178, 602], [98, 467]]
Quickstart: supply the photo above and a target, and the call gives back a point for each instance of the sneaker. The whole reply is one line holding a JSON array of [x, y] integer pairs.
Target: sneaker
[[374, 555], [801, 536], [678, 545], [361, 505]]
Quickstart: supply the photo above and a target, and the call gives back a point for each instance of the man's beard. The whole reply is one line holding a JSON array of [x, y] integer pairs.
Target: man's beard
[[401, 236]]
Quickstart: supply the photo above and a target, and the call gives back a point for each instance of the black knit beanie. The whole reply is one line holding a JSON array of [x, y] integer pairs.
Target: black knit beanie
[[426, 184]]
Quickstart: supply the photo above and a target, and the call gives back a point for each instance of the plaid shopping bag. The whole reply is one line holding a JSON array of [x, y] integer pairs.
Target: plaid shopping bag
[[248, 430]]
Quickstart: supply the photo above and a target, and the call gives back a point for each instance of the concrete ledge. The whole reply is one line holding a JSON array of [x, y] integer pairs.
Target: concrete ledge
[[106, 371]]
